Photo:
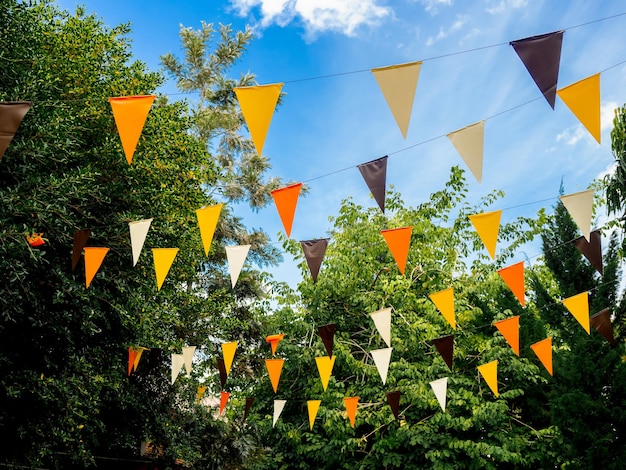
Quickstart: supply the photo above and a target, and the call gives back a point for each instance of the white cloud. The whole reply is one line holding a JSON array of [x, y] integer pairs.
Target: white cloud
[[573, 134], [444, 33], [504, 5], [432, 6], [317, 16]]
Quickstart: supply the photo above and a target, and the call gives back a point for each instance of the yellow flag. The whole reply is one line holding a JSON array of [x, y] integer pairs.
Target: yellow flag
[[313, 406], [257, 105], [163, 259], [444, 301], [228, 350], [578, 306], [93, 259], [207, 221], [487, 226], [583, 99], [325, 367], [489, 372], [469, 142]]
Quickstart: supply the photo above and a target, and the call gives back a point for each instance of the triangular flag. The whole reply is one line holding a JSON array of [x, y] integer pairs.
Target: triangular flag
[[469, 142], [382, 357], [398, 84], [592, 249], [249, 403], [163, 259], [257, 105], [327, 333], [393, 398], [132, 352], [580, 207], [93, 259], [325, 367], [445, 346], [513, 276], [578, 306], [382, 321], [278, 409], [274, 340], [351, 404], [188, 356], [444, 301], [542, 57], [601, 321], [274, 369], [399, 242], [222, 371], [224, 396], [375, 175], [489, 372], [130, 113], [138, 352], [80, 240], [178, 361], [11, 115], [313, 406], [543, 350], [583, 99], [286, 200], [228, 350], [440, 387], [236, 256], [207, 221], [138, 232], [200, 392], [314, 251], [487, 225], [510, 330]]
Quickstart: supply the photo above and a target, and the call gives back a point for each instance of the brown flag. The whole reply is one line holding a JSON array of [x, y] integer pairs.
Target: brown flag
[[327, 333], [222, 369], [393, 398], [601, 321], [249, 403], [80, 240], [375, 175], [592, 250], [314, 251], [11, 115], [445, 346]]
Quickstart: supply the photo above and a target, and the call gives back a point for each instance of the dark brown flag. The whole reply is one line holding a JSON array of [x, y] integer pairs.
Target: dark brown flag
[[11, 115], [445, 346], [80, 240], [249, 403], [375, 175], [393, 398], [221, 367], [314, 251], [327, 333], [601, 321], [592, 249]]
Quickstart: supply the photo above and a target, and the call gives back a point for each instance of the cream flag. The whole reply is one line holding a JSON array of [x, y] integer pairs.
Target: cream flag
[[236, 256], [469, 142], [278, 409], [440, 387], [382, 320], [188, 358], [178, 361], [580, 207], [138, 232], [382, 357]]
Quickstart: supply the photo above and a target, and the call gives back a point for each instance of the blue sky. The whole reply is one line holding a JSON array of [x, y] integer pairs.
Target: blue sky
[[343, 120]]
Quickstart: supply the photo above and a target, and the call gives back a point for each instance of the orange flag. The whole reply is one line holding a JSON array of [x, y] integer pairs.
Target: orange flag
[[224, 396], [543, 350], [489, 372], [228, 351], [399, 242], [286, 200], [93, 259], [325, 367], [134, 355], [444, 301], [510, 330], [513, 276], [207, 221], [257, 105], [274, 369], [583, 99], [274, 340], [351, 406], [163, 259], [487, 226], [130, 113], [578, 306]]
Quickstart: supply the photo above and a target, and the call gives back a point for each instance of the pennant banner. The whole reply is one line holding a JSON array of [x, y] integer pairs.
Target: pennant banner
[[274, 340], [510, 330], [489, 372], [134, 355], [583, 99], [513, 276], [236, 256], [375, 175], [200, 393], [382, 357], [325, 367], [578, 306], [130, 113], [207, 222], [11, 115], [224, 396], [248, 407], [542, 57], [445, 346], [188, 352], [444, 301], [138, 232], [93, 259], [382, 321], [279, 405], [543, 350], [221, 367], [601, 321], [580, 207], [228, 351], [399, 242], [286, 200], [163, 259], [469, 142], [393, 398], [178, 361], [487, 225], [80, 240], [351, 404], [257, 105], [313, 406], [314, 251], [440, 387], [398, 84], [274, 369], [327, 333], [592, 249]]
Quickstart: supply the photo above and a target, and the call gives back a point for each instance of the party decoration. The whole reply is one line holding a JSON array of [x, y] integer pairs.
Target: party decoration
[[93, 259], [274, 340], [178, 361], [221, 367], [469, 142], [382, 321], [138, 232], [393, 398], [382, 357], [279, 405], [163, 259], [510, 330], [583, 99], [35, 239], [578, 306], [398, 84], [224, 396], [248, 406], [489, 372], [601, 321], [286, 200], [274, 369], [327, 333], [543, 350], [444, 301], [130, 113], [542, 57], [445, 346], [351, 404], [200, 392], [314, 251], [11, 115], [313, 406], [80, 240], [440, 387], [375, 175], [236, 256], [580, 207], [399, 241], [228, 351], [207, 222], [134, 355], [188, 357], [487, 225], [325, 367], [513, 276], [592, 249], [257, 105]]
